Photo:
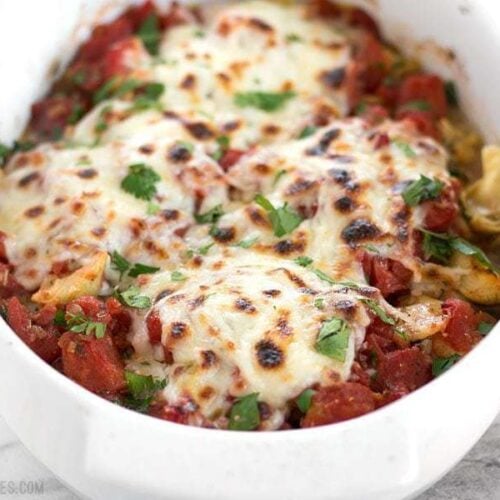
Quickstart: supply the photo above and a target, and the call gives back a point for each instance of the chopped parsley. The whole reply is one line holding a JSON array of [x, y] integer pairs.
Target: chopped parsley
[[484, 328], [177, 276], [79, 323], [416, 105], [105, 91], [305, 399], [319, 303], [451, 93], [265, 101], [142, 389], [421, 190], [210, 217], [440, 246], [149, 33], [283, 219], [249, 242], [4, 154], [440, 365], [76, 113], [307, 131], [293, 37], [245, 415], [203, 250], [379, 311], [153, 208], [303, 261], [223, 142], [141, 181], [405, 148], [371, 248], [148, 98], [278, 176], [199, 33], [60, 319], [101, 123], [124, 267], [132, 298], [333, 339]]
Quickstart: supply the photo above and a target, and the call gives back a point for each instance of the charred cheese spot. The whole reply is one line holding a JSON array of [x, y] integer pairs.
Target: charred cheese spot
[[269, 355], [324, 143], [345, 204], [333, 78], [34, 212], [244, 305], [179, 153], [178, 330], [189, 82], [359, 230], [87, 173], [28, 179], [200, 131]]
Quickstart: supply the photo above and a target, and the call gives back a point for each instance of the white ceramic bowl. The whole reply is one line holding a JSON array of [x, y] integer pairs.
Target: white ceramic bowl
[[106, 452]]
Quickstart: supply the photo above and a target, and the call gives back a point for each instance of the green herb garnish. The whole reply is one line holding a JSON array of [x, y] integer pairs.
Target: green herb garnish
[[440, 365], [150, 34], [124, 267], [440, 246], [249, 242], [265, 101], [307, 131], [244, 415], [421, 190], [177, 276], [141, 181], [142, 389], [417, 105], [405, 148], [451, 93], [333, 339], [283, 219], [222, 146], [305, 399], [79, 323], [484, 328], [379, 311], [303, 261], [319, 303], [132, 298], [211, 216]]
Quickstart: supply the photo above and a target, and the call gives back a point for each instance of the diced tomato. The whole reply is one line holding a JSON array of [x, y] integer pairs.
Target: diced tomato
[[230, 158], [361, 19], [427, 88], [45, 316], [441, 212], [374, 114], [388, 92], [325, 8], [404, 370], [461, 331], [153, 323], [168, 412], [138, 14], [380, 140], [91, 307], [388, 275], [42, 341], [8, 284], [93, 363], [176, 15], [103, 37], [3, 251], [50, 115], [339, 402], [367, 70], [378, 327], [120, 323], [121, 57], [421, 121]]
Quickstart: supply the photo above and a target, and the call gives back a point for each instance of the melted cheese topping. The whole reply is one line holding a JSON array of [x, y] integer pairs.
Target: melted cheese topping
[[246, 318], [253, 46], [243, 324], [57, 204]]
